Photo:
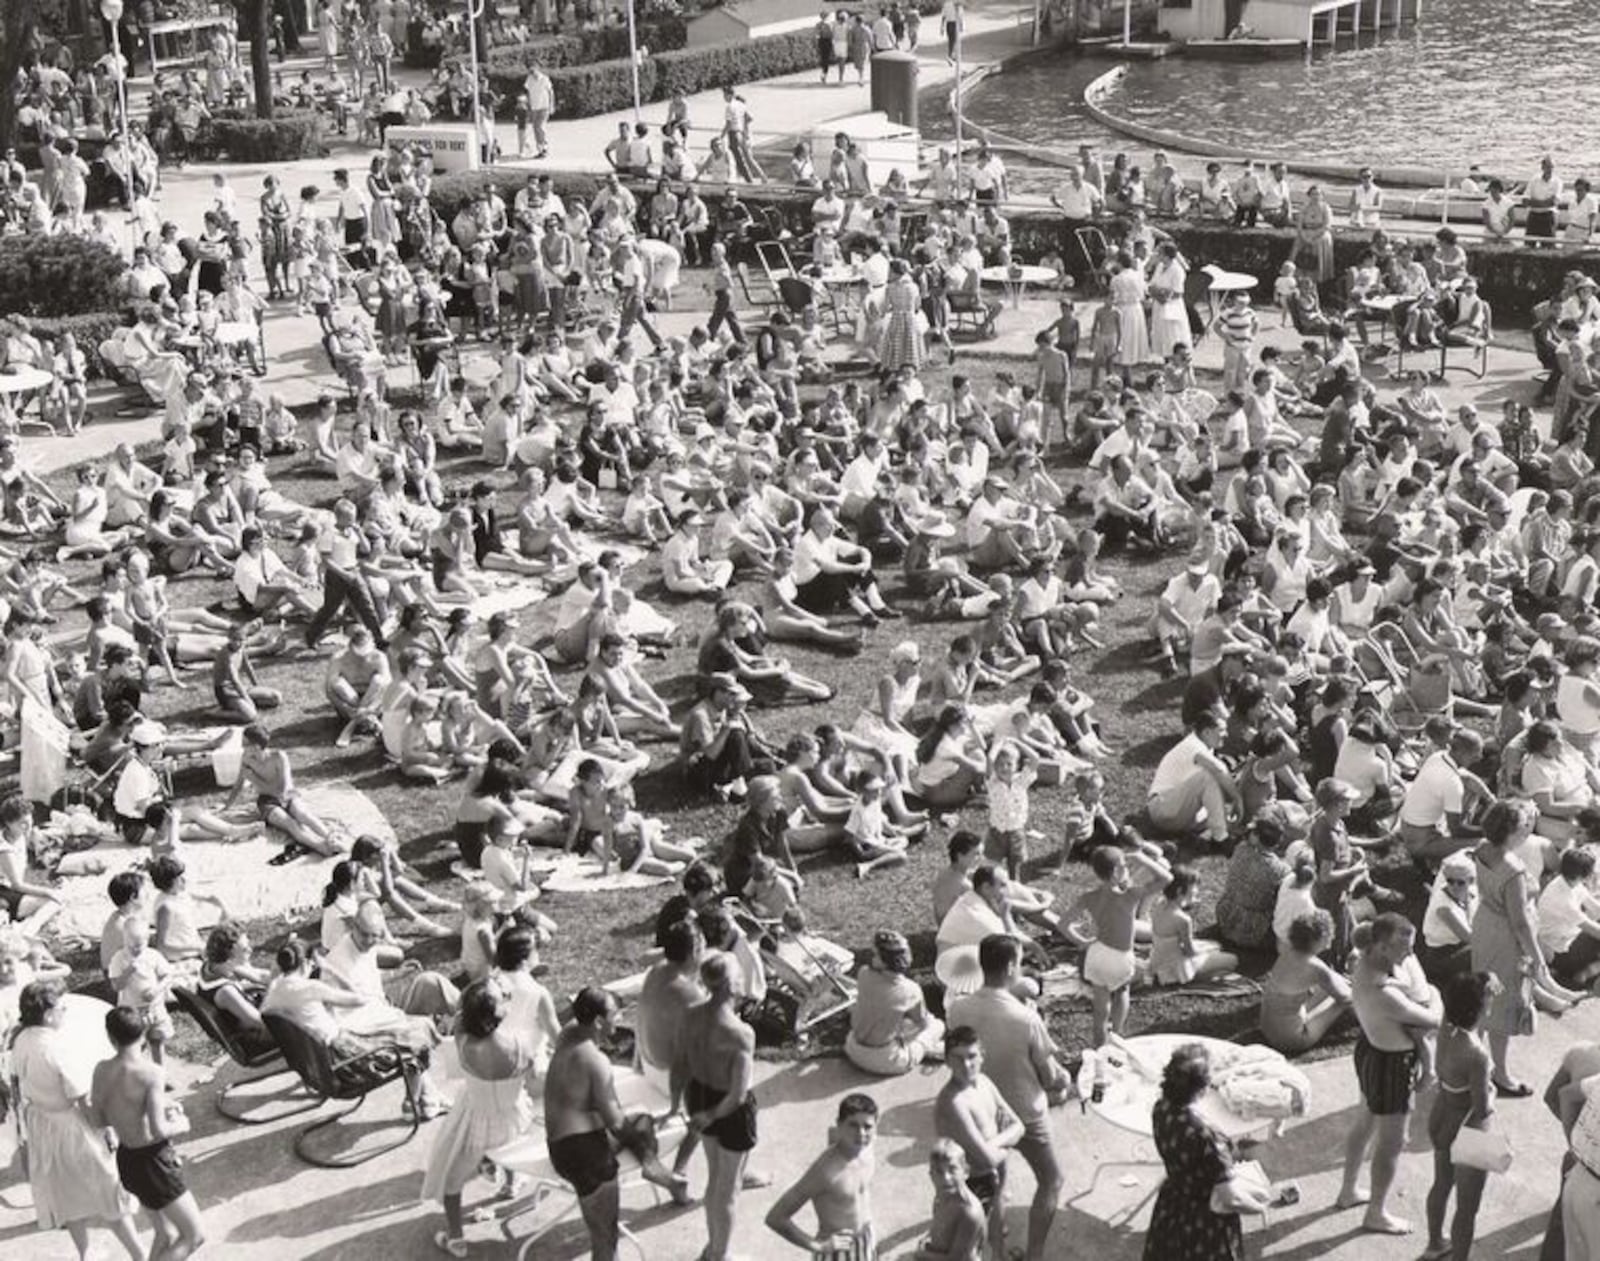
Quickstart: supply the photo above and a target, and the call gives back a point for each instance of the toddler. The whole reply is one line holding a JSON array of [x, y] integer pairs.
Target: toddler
[[1112, 906], [1284, 289], [1087, 821], [143, 980]]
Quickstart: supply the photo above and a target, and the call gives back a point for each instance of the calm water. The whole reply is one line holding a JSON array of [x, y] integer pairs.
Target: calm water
[[1494, 82]]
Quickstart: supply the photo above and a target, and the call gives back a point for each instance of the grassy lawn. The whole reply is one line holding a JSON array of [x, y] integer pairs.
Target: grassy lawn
[[602, 937]]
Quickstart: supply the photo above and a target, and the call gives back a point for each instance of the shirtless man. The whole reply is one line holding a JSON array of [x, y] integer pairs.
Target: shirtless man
[[276, 802], [583, 1120], [635, 704], [670, 989], [1386, 1065], [716, 1060], [356, 678], [128, 1095], [838, 1186], [969, 1110]]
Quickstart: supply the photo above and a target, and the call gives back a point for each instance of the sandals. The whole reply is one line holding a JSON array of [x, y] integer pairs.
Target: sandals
[[454, 1247], [1513, 1090], [291, 851]]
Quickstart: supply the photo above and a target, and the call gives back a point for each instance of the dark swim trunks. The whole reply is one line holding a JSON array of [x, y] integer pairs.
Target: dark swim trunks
[[585, 1160], [986, 1186], [1385, 1078], [152, 1175], [735, 1132]]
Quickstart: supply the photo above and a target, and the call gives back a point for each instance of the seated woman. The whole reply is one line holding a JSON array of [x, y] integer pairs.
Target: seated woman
[[891, 1031], [1560, 780], [816, 820], [1250, 888], [735, 646], [1302, 996], [1444, 947], [86, 535], [1177, 956], [422, 752], [785, 621], [235, 987], [951, 760], [174, 545]]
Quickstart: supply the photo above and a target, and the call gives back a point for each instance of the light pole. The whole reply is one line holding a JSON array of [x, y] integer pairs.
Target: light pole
[[633, 60], [111, 10], [474, 12], [959, 25]]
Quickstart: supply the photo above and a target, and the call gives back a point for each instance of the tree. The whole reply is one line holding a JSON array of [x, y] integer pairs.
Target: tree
[[17, 35], [258, 14]]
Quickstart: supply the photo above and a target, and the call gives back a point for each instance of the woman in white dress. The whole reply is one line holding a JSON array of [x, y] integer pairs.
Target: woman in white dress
[[882, 724], [1127, 300], [70, 1168], [1169, 318], [492, 1110], [86, 534]]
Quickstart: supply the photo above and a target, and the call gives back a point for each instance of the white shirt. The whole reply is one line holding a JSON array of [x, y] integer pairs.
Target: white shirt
[[810, 552], [1176, 764], [138, 788], [1192, 603], [541, 92], [1560, 913], [1436, 792], [1080, 202]]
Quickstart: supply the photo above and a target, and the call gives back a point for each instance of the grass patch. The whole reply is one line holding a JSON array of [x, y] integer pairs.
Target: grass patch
[[602, 937]]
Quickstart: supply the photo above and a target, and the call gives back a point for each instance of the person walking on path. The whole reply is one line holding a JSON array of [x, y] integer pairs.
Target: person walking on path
[[722, 295], [736, 131], [1386, 1066], [950, 19], [541, 101]]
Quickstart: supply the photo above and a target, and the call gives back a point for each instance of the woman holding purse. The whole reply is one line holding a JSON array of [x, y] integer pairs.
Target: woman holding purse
[[1465, 1101], [1199, 1163]]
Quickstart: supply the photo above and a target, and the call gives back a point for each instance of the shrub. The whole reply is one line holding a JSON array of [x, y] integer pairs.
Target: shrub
[[282, 138], [606, 86], [90, 329], [58, 275]]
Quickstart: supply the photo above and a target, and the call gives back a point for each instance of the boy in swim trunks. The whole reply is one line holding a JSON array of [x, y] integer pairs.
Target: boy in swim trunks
[[955, 1232], [1113, 905], [969, 1111], [128, 1095], [838, 1185]]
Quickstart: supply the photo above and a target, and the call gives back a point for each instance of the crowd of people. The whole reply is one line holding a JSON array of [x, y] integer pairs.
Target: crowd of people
[[1383, 616]]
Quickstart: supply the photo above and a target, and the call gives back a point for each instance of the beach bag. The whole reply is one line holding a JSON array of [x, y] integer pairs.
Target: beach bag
[[1246, 1189], [606, 478], [1481, 1149]]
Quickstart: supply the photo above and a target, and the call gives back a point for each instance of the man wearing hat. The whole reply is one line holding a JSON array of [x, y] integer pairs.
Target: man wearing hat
[[891, 1031], [1435, 807], [996, 528], [141, 788], [719, 751], [1186, 601], [683, 572]]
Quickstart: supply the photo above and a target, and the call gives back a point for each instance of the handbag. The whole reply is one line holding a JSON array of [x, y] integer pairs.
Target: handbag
[[606, 478], [1246, 1189], [1481, 1149]]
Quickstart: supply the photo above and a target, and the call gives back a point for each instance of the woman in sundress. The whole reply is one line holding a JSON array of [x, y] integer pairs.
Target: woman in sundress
[[1127, 300], [1313, 236], [1197, 1159], [1169, 319], [383, 223], [901, 344], [882, 724], [70, 1169], [491, 1111]]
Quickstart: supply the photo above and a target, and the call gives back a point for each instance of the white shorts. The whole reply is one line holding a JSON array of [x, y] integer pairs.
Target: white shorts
[[1108, 969]]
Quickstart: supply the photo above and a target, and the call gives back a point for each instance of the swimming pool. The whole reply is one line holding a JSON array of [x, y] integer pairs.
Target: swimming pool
[[1492, 82]]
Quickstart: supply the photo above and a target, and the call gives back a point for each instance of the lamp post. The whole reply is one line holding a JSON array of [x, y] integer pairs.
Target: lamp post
[[633, 59], [959, 25], [111, 10], [474, 12]]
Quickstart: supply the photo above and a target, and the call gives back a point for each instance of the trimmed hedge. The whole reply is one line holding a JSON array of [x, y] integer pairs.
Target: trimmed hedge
[[63, 275], [662, 34], [606, 86], [282, 138]]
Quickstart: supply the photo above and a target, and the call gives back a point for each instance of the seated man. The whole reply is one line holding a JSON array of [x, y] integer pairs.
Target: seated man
[[367, 963], [1192, 790]]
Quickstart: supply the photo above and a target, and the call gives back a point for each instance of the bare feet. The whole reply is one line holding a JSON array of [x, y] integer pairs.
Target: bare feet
[[1350, 1197], [1384, 1224]]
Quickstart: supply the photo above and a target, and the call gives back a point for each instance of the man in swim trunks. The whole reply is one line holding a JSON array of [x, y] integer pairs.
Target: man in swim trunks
[[584, 1123], [355, 682], [1386, 1065], [128, 1095], [716, 1061]]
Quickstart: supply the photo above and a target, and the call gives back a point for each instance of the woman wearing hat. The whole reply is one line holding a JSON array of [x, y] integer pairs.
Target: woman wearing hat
[[891, 1031], [882, 722]]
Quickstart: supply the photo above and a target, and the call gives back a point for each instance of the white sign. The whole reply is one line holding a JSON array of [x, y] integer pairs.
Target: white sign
[[452, 145]]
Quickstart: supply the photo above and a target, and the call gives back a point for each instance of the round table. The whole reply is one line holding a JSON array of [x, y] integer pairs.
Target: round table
[[1130, 1094], [1222, 283], [237, 332], [1016, 278], [24, 380]]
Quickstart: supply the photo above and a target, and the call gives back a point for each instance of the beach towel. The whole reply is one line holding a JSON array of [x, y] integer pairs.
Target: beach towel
[[577, 873]]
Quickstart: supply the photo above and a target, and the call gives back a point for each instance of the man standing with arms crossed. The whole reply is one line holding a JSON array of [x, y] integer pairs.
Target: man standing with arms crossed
[[1022, 1063], [1386, 1068]]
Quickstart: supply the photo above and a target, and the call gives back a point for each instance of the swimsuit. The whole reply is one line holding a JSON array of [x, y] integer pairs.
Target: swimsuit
[[1384, 1078], [585, 1160], [153, 1174], [735, 1132]]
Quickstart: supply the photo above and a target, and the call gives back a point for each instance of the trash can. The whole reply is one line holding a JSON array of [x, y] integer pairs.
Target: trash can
[[894, 87]]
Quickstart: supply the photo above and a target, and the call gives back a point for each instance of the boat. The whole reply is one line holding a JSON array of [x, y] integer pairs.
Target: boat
[[1134, 50], [1248, 48]]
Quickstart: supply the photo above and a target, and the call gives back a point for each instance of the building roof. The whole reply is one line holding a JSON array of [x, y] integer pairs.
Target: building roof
[[759, 13]]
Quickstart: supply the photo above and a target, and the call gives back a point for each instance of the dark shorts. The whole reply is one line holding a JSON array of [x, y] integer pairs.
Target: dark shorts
[[986, 1186], [584, 1160], [1054, 394], [266, 802], [1584, 952], [152, 1175], [735, 1132], [132, 829], [11, 900], [1385, 1078], [1005, 846]]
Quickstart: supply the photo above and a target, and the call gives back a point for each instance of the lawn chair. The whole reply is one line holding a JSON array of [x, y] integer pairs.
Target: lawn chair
[[761, 294], [210, 1019], [775, 260], [343, 1080], [1096, 252], [813, 977]]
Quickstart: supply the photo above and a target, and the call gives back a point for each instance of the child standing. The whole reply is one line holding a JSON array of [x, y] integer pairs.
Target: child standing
[[1012, 770], [956, 1229], [838, 1186], [1054, 385], [1113, 906], [522, 112], [1105, 340], [1284, 290], [143, 980]]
